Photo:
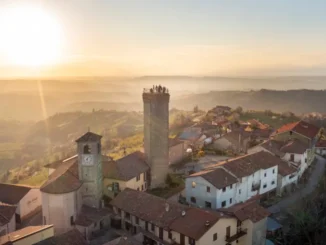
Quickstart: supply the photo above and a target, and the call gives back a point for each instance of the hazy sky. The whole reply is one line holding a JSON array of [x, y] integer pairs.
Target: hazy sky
[[202, 37]]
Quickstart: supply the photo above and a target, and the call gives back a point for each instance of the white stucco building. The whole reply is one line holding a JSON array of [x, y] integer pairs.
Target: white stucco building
[[234, 181], [26, 199]]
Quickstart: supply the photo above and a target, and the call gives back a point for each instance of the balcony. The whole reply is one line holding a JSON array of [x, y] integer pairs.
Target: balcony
[[240, 233], [255, 186]]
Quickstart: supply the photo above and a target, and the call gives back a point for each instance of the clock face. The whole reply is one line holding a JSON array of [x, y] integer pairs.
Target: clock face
[[87, 160]]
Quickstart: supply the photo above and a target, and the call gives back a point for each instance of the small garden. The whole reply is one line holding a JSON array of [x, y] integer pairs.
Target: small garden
[[174, 184]]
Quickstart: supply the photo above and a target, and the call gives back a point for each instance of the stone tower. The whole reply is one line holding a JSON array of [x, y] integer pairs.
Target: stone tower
[[90, 168], [156, 133]]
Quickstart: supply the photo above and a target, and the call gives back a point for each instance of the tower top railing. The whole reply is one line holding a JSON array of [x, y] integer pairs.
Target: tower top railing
[[156, 90]]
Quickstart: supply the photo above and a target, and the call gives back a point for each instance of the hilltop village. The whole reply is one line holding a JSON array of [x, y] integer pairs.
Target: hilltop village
[[236, 175]]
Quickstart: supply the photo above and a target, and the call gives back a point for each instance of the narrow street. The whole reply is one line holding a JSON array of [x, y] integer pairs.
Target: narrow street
[[318, 171]]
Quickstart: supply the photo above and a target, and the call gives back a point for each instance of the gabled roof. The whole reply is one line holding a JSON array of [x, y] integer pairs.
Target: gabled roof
[[125, 168], [89, 215], [64, 179], [295, 146], [6, 213], [285, 169], [12, 194], [166, 214], [273, 146], [301, 127], [249, 210], [89, 137], [234, 136], [24, 232], [72, 237], [247, 165], [217, 177]]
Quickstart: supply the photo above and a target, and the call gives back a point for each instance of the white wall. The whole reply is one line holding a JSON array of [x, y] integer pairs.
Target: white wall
[[229, 193], [300, 159], [57, 210], [200, 192], [9, 227], [30, 203]]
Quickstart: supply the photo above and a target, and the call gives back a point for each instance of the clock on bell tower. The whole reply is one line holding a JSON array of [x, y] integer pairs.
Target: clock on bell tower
[[90, 168]]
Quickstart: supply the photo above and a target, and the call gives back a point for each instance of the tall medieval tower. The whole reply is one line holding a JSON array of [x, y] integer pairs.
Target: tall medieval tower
[[156, 133], [90, 168]]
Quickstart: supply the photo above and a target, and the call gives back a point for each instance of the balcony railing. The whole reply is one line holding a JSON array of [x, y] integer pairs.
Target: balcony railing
[[255, 186], [240, 233]]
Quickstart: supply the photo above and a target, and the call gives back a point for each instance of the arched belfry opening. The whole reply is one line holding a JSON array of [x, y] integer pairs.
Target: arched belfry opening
[[87, 149]]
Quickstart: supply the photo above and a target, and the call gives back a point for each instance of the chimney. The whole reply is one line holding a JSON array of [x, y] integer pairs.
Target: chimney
[[167, 207]]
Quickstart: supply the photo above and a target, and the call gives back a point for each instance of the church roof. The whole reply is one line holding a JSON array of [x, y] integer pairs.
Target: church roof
[[125, 168], [64, 180], [89, 136]]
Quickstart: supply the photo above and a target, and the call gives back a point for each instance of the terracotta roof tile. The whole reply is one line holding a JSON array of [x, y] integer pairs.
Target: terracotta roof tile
[[217, 177], [89, 215], [247, 210], [285, 169], [6, 213], [304, 128], [247, 165], [89, 136], [63, 180], [72, 237], [126, 168], [273, 146], [294, 146], [12, 194], [166, 214]]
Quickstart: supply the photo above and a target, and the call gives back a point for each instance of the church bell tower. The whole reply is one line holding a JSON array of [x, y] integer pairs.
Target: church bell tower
[[90, 168]]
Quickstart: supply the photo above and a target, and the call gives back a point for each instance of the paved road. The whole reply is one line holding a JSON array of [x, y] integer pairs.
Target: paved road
[[309, 188]]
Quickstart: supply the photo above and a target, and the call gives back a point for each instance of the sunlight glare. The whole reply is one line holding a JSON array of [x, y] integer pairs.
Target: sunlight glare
[[29, 36]]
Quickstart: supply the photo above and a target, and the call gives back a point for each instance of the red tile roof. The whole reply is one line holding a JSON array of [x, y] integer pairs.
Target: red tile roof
[[6, 213], [304, 128], [295, 146], [72, 237], [89, 136], [89, 215], [285, 169], [64, 179], [166, 214], [247, 165], [247, 210], [125, 168], [12, 194], [217, 177]]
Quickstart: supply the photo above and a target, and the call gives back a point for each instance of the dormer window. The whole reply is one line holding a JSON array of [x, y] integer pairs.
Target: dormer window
[[86, 150]]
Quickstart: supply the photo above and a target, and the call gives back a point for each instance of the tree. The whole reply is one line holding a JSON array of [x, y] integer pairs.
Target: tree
[[196, 109], [239, 110]]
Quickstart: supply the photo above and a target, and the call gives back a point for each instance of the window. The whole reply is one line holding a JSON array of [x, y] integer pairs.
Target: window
[[193, 184], [305, 160], [152, 227], [230, 200], [273, 171], [98, 148], [95, 224], [292, 157], [231, 186], [138, 178], [239, 191], [224, 189], [223, 204], [138, 189], [142, 187], [191, 241], [273, 182], [170, 235], [86, 150], [215, 237], [71, 220], [208, 189], [265, 174], [193, 199], [238, 223], [208, 205], [137, 220], [127, 215], [145, 176], [264, 186], [290, 132]]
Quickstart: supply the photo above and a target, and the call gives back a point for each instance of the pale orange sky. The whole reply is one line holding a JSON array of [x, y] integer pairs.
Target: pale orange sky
[[135, 38]]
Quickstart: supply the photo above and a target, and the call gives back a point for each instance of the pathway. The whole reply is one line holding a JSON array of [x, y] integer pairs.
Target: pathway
[[315, 176]]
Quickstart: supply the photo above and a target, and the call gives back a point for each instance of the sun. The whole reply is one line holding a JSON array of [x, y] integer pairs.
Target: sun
[[29, 36]]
